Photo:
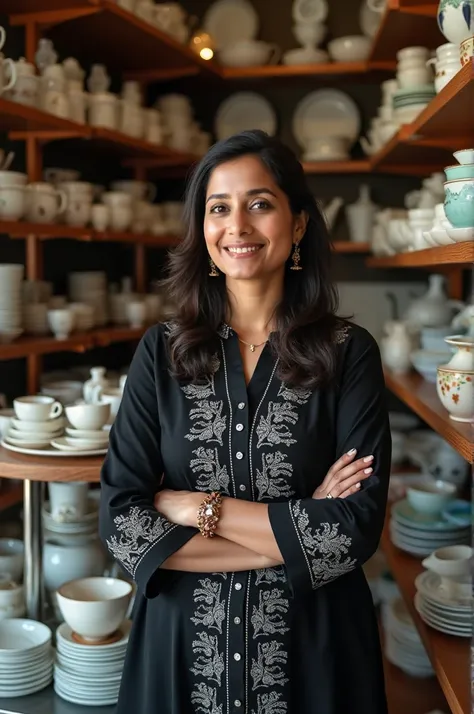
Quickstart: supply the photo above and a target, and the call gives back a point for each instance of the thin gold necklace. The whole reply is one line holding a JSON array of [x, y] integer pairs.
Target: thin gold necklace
[[251, 345]]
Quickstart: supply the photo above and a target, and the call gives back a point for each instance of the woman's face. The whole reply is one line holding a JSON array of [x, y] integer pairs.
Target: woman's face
[[248, 225]]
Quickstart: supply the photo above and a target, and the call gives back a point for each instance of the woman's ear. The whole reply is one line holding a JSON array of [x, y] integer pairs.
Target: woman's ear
[[301, 222]]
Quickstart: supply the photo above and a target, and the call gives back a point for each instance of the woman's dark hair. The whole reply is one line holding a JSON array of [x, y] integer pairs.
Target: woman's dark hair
[[305, 319]]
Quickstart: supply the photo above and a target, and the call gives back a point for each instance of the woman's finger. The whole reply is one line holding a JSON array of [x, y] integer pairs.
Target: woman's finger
[[349, 470], [343, 461], [337, 488], [350, 491]]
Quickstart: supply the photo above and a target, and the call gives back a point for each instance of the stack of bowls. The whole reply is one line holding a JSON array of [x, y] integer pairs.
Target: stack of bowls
[[438, 233], [90, 287], [92, 642], [26, 657], [11, 307], [459, 196], [446, 63], [412, 68]]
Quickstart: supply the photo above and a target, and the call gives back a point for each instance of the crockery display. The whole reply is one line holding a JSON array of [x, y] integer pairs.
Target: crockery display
[[244, 110], [230, 21]]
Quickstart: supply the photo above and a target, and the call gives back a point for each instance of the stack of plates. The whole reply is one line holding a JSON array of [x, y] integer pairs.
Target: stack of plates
[[85, 525], [420, 534], [403, 646], [83, 440], [26, 657], [89, 674], [443, 612], [11, 308], [408, 103]]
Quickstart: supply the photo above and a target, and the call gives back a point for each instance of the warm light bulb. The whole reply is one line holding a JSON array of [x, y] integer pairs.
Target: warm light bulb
[[206, 53], [202, 43]]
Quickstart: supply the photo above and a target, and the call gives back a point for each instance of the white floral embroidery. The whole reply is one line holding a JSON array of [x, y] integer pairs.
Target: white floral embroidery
[[139, 531], [271, 575], [209, 662], [273, 429], [324, 548], [266, 670], [270, 704], [211, 613], [273, 481], [212, 476], [209, 423], [342, 333], [268, 616], [294, 394], [205, 699], [224, 331]]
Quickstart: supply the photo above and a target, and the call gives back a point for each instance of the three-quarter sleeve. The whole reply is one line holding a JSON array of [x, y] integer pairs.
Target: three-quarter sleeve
[[136, 535], [321, 540]]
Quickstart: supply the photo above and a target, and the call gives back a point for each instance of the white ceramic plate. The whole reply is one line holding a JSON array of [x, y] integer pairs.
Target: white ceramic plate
[[64, 633], [98, 435], [430, 586], [326, 112], [229, 21], [32, 442], [244, 110], [51, 452]]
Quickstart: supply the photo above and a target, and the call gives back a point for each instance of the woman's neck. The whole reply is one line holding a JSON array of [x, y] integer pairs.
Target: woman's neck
[[253, 305]]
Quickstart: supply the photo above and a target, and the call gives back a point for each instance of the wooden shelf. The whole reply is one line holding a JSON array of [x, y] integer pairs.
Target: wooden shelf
[[450, 656], [45, 231], [422, 398], [326, 69], [115, 37], [455, 254], [337, 167], [49, 468], [445, 125], [402, 29], [419, 7], [10, 494], [77, 342], [347, 246], [16, 117]]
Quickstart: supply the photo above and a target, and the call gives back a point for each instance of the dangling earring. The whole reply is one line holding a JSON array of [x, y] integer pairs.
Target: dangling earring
[[296, 257], [214, 272]]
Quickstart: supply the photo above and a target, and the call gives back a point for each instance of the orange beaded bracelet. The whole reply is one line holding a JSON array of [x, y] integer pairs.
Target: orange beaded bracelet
[[208, 514]]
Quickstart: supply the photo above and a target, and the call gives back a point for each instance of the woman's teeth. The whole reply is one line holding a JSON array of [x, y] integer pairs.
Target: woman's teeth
[[252, 249]]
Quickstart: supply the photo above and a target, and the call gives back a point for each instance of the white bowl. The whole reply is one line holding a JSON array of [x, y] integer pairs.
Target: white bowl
[[94, 607], [88, 416], [22, 635], [465, 156], [352, 48], [429, 496]]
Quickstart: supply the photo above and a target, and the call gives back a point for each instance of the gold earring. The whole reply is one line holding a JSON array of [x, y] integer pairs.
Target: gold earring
[[296, 257], [214, 272]]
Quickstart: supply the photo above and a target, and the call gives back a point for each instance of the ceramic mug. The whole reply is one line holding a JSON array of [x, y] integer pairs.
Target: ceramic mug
[[37, 408]]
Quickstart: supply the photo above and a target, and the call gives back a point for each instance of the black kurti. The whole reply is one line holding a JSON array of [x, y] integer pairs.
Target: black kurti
[[297, 639]]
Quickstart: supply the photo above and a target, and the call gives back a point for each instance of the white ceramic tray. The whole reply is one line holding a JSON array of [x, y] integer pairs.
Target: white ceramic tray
[[52, 452]]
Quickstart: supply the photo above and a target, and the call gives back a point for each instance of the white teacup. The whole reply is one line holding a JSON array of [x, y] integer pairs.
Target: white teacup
[[44, 202], [89, 417], [68, 501], [61, 321], [12, 202], [100, 217], [37, 408], [136, 313]]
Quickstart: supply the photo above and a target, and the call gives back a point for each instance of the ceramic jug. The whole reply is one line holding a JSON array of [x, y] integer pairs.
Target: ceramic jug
[[456, 19], [433, 309], [97, 379], [397, 347], [360, 216]]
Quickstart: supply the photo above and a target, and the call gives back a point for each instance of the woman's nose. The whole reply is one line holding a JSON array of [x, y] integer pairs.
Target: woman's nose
[[239, 223]]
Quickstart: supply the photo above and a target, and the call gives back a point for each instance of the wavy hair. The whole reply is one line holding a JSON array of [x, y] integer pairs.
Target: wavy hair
[[306, 320]]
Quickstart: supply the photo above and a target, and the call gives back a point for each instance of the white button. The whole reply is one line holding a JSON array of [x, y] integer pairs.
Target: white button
[[238, 586], [241, 405], [243, 487], [239, 455], [237, 703], [237, 620], [237, 657], [239, 427]]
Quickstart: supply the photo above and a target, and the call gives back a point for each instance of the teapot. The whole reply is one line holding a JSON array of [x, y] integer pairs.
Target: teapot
[[433, 309], [331, 211]]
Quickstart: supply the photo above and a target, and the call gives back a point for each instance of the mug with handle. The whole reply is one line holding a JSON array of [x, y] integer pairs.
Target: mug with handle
[[11, 65]]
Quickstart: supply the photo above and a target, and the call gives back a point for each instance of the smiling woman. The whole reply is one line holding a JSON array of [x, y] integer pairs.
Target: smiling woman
[[247, 473]]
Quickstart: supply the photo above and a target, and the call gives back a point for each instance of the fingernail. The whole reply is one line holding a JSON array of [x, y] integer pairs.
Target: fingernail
[[352, 452], [368, 471], [358, 485], [368, 458]]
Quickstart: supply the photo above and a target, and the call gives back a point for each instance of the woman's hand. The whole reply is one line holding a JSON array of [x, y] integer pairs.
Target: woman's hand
[[344, 477], [179, 507]]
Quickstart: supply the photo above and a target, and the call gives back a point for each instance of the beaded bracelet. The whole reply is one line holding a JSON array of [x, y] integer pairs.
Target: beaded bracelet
[[208, 514]]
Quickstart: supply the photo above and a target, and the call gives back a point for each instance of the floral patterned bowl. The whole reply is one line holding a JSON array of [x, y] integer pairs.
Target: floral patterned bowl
[[459, 202], [456, 391]]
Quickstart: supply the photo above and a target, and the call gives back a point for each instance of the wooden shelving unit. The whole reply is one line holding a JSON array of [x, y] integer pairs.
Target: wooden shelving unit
[[76, 342], [49, 231], [49, 468], [404, 29], [450, 656], [327, 69], [347, 246], [456, 254], [421, 397], [337, 167]]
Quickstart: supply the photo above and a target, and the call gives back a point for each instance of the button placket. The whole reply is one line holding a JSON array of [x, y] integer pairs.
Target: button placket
[[236, 643], [240, 447]]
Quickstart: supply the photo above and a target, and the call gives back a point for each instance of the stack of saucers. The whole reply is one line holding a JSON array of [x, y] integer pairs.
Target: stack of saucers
[[86, 430], [26, 657], [83, 525], [403, 646], [409, 103], [445, 611], [89, 674], [420, 533]]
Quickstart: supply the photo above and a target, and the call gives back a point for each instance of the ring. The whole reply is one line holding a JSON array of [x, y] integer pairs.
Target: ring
[[328, 495]]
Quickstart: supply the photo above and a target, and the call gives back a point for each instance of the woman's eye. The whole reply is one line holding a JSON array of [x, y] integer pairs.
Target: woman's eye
[[218, 209], [260, 204]]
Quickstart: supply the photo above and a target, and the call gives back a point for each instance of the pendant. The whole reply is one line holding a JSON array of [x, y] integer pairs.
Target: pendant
[[252, 348]]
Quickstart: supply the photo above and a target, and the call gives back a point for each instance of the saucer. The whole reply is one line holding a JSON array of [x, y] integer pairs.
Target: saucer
[[460, 235]]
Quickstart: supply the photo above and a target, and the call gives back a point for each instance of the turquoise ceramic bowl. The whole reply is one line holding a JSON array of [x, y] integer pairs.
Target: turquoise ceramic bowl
[[464, 171], [459, 202]]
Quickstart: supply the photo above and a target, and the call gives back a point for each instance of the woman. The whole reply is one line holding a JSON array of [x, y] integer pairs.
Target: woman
[[260, 397]]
